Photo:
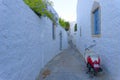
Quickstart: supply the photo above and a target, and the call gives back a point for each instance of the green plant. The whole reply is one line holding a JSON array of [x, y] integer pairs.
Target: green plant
[[64, 24], [40, 8], [67, 26]]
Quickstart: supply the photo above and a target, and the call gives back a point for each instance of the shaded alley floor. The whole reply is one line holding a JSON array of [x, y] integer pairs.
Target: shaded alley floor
[[68, 65]]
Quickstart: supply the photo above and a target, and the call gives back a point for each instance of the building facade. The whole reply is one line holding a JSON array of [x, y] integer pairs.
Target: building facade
[[98, 23]]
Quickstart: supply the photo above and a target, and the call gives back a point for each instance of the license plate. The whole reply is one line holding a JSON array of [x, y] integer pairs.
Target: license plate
[[96, 65]]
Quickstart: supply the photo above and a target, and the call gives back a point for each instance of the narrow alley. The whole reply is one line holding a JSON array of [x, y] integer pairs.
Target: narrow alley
[[68, 65], [49, 39]]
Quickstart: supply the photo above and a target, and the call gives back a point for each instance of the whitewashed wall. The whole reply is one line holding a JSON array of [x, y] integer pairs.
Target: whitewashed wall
[[72, 32], [108, 46], [26, 43]]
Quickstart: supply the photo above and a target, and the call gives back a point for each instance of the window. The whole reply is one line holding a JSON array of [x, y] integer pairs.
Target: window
[[96, 20]]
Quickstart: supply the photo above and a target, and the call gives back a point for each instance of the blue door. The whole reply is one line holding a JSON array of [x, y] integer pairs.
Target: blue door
[[96, 22]]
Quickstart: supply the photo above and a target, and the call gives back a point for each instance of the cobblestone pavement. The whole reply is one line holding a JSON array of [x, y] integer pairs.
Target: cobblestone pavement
[[69, 65]]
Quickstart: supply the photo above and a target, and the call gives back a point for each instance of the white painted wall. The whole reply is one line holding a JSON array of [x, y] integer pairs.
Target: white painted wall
[[108, 46], [72, 32], [26, 43], [72, 24]]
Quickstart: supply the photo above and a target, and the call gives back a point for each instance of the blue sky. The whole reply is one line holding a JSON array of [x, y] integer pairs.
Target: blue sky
[[66, 9]]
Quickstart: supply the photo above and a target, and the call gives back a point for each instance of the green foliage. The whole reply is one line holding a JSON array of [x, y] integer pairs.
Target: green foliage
[[67, 26], [75, 27], [40, 8], [64, 24]]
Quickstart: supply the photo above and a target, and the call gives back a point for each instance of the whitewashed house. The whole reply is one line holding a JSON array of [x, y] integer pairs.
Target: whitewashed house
[[27, 42], [99, 22], [72, 32]]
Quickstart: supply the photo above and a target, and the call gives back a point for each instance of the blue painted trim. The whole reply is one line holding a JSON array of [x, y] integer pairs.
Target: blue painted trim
[[96, 22]]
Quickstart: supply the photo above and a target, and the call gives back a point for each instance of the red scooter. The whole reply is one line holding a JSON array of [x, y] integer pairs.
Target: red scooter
[[92, 61]]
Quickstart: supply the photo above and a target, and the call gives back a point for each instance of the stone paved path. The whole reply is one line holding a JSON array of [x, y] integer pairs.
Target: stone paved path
[[68, 65]]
